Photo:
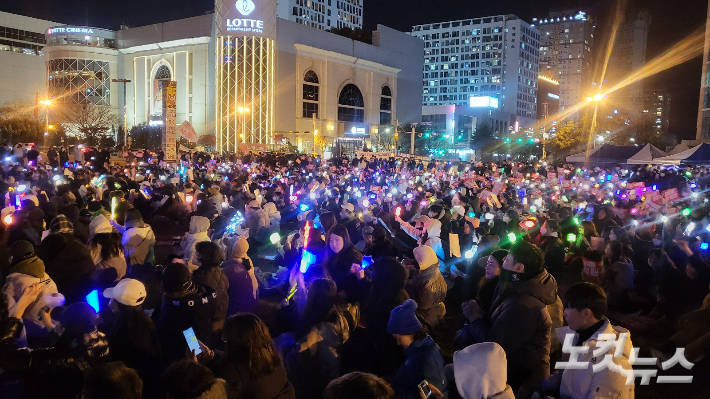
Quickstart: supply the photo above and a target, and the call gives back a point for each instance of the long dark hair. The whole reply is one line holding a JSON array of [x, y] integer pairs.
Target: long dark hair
[[249, 345], [209, 253], [341, 231], [110, 244], [322, 305], [137, 327]]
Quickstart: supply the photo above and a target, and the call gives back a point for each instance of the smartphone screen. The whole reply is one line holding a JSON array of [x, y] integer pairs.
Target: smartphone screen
[[192, 340], [424, 388]]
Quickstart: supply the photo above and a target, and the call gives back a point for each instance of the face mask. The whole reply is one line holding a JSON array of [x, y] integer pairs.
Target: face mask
[[656, 242], [543, 230], [506, 218]]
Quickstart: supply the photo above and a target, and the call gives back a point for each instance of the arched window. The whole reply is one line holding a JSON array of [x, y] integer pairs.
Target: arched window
[[310, 94], [351, 106], [162, 73], [386, 106]]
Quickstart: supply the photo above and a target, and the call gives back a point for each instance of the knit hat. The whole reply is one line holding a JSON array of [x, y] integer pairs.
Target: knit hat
[[31, 197], [100, 225], [133, 218], [458, 209], [241, 246], [367, 231], [60, 224], [348, 207], [254, 204], [499, 255], [128, 292], [176, 278], [433, 227], [425, 256], [403, 320], [78, 318], [21, 250]]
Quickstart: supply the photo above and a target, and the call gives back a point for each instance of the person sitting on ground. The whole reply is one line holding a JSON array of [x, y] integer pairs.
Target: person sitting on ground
[[427, 287], [112, 381], [585, 309], [188, 379], [210, 258], [358, 385], [243, 288]]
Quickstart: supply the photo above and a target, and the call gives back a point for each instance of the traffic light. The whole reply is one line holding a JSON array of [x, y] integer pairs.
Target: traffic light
[[531, 141], [507, 139], [519, 140]]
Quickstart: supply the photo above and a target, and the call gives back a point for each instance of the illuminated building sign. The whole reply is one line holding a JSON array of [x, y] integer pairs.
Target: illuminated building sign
[[483, 102], [70, 29], [249, 17], [555, 96]]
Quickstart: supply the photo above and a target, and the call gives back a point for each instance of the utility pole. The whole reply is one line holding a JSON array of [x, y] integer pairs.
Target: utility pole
[[125, 111], [411, 148]]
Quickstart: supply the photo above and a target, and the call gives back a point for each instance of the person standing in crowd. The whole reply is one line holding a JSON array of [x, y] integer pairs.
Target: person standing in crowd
[[209, 258], [106, 250], [112, 381], [341, 259], [243, 288], [428, 287], [424, 359], [138, 240], [518, 320]]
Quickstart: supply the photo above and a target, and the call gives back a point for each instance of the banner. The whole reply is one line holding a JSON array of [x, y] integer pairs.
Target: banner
[[187, 132], [169, 115]]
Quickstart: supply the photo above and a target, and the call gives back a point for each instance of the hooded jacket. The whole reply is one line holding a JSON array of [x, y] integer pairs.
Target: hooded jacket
[[257, 221], [520, 323], [198, 233], [196, 310], [480, 372], [22, 275], [618, 280], [243, 290], [214, 278], [56, 372], [138, 244], [587, 384], [69, 263]]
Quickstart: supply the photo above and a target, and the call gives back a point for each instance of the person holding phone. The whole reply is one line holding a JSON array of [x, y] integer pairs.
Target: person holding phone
[[424, 357]]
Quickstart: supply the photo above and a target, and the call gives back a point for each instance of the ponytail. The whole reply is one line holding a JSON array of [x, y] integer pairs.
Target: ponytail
[[247, 263]]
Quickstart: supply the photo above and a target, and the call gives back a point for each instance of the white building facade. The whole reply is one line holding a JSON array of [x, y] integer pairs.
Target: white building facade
[[322, 14], [493, 57]]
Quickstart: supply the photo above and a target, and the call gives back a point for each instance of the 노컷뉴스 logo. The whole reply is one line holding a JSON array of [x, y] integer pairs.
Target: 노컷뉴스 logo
[[245, 7]]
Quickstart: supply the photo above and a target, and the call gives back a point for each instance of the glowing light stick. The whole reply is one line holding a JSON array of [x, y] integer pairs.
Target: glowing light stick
[[512, 238], [114, 203], [189, 198], [8, 219], [398, 211]]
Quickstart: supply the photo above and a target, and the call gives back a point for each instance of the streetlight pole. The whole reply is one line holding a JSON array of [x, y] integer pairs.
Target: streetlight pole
[[125, 111], [46, 103], [596, 99]]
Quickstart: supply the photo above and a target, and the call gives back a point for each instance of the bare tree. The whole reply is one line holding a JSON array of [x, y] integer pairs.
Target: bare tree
[[89, 121]]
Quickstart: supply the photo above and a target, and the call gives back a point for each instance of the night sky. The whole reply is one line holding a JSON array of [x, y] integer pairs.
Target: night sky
[[671, 21]]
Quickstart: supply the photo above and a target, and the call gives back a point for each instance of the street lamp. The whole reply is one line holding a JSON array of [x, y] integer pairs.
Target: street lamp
[[244, 111], [46, 103]]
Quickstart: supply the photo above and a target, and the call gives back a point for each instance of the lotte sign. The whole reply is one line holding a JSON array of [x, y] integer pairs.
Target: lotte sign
[[248, 17]]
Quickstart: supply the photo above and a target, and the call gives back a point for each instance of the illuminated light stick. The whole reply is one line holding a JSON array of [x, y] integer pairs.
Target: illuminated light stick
[[114, 203], [385, 226], [307, 256], [8, 219], [398, 211]]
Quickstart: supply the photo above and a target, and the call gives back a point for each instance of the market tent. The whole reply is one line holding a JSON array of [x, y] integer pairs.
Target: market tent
[[647, 154], [679, 148], [699, 154], [605, 154]]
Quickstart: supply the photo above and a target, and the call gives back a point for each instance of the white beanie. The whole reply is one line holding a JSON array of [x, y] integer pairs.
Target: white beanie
[[433, 227], [100, 225], [32, 198], [425, 256]]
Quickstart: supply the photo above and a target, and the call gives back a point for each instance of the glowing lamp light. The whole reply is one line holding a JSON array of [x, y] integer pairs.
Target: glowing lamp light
[[489, 216], [423, 203], [685, 212], [366, 203], [576, 220], [398, 211], [471, 214], [664, 219], [189, 198], [21, 187], [512, 238], [704, 246], [303, 207], [366, 262], [529, 223], [571, 237], [634, 211], [274, 238], [7, 219], [468, 254]]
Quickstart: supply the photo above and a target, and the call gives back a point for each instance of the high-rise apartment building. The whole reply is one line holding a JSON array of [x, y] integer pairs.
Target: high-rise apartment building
[[322, 14], [566, 42], [494, 57], [627, 56], [656, 109]]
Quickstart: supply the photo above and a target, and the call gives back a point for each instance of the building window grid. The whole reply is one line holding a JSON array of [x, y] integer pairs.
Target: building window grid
[[75, 81], [311, 88]]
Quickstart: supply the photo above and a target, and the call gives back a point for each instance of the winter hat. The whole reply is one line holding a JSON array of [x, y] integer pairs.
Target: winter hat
[[480, 371], [367, 231], [241, 246], [78, 318], [499, 255], [60, 224], [457, 209], [348, 207], [403, 320], [254, 204], [133, 219], [21, 250], [128, 292], [433, 227], [176, 278], [31, 197], [100, 225], [425, 256]]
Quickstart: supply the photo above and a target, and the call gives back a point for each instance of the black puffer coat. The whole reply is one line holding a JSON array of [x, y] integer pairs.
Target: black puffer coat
[[57, 372]]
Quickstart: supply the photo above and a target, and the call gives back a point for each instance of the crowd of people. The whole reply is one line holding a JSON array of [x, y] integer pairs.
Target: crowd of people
[[286, 276]]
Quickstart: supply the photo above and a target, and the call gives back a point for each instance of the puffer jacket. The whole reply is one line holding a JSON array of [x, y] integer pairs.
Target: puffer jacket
[[618, 280], [216, 279], [258, 224], [587, 384], [338, 266], [428, 289], [195, 310], [197, 233], [56, 372], [424, 362], [520, 323], [138, 245]]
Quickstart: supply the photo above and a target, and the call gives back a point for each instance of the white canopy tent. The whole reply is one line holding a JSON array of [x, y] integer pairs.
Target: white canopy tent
[[679, 148], [698, 155], [646, 156]]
